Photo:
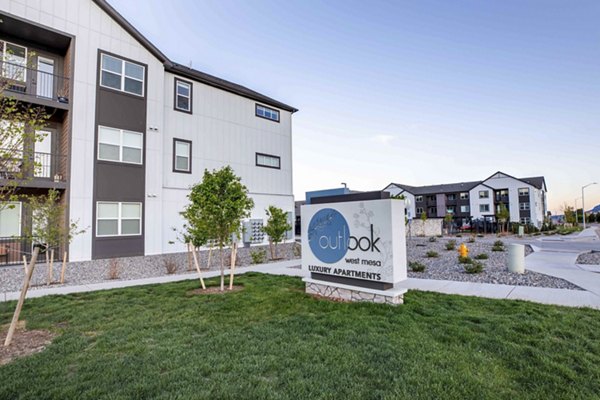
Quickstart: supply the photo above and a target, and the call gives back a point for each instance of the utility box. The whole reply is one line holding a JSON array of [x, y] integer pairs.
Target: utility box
[[516, 258], [521, 231], [289, 235], [253, 232]]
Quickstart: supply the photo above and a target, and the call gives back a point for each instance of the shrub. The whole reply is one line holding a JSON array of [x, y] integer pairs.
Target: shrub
[[114, 270], [498, 248], [498, 243], [451, 245], [170, 266], [471, 239], [432, 239], [474, 268], [458, 235], [480, 235], [432, 254], [416, 266], [258, 256], [464, 260], [481, 256]]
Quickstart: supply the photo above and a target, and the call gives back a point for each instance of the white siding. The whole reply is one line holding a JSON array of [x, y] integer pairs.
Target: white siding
[[475, 201]]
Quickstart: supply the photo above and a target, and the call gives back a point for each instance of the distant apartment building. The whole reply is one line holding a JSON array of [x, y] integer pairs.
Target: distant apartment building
[[131, 130], [525, 198]]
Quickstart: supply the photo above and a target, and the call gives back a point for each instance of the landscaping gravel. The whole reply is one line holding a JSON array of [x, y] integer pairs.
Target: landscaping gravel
[[592, 258], [446, 266], [88, 272]]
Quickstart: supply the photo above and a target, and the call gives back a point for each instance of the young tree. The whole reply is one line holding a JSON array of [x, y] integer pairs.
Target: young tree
[[276, 227], [20, 125], [423, 216], [448, 218], [503, 216], [220, 202], [569, 214]]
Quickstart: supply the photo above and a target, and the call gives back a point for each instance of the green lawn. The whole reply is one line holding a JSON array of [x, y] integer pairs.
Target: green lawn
[[273, 341]]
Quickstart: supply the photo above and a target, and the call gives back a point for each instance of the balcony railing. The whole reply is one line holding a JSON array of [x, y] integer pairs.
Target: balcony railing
[[33, 82], [17, 164], [12, 250]]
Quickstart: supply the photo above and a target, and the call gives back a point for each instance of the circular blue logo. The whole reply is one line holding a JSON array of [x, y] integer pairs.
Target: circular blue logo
[[328, 234]]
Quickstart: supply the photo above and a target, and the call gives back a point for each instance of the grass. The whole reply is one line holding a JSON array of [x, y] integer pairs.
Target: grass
[[272, 341]]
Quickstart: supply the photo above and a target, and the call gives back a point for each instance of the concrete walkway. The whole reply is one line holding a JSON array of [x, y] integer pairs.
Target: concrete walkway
[[561, 265]]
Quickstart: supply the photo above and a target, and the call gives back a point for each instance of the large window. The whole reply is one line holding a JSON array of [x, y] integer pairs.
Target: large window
[[182, 156], [419, 211], [10, 219], [484, 194], [418, 199], [484, 208], [120, 145], [451, 197], [122, 75], [523, 206], [118, 219], [266, 112], [267, 160], [464, 196], [465, 209], [526, 220], [14, 63], [183, 95], [524, 192]]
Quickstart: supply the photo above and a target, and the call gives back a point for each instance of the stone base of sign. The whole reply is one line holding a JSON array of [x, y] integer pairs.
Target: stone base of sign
[[352, 293]]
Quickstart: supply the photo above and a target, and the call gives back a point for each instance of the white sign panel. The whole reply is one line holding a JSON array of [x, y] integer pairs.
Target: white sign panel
[[360, 240]]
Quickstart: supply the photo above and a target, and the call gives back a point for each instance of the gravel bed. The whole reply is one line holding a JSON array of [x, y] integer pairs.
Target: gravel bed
[[446, 266], [88, 272], [591, 258]]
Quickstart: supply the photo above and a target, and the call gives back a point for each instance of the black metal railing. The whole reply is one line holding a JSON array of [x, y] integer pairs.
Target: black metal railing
[[12, 250], [18, 164], [33, 82]]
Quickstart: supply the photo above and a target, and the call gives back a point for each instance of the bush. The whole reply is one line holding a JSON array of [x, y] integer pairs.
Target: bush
[[464, 260], [458, 235], [498, 243], [432, 254], [481, 256], [498, 248], [471, 239], [474, 268], [451, 245], [416, 266], [114, 270], [170, 266], [432, 239], [258, 256]]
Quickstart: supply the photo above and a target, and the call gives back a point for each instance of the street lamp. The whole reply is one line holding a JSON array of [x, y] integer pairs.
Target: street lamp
[[583, 200]]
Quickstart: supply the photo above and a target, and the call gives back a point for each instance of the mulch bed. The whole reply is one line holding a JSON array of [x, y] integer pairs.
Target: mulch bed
[[24, 342], [216, 290]]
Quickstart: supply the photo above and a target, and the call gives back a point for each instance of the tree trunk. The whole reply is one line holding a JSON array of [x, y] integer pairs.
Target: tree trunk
[[232, 270], [48, 266], [64, 267], [15, 319], [271, 249], [197, 264], [210, 249], [189, 256], [222, 268]]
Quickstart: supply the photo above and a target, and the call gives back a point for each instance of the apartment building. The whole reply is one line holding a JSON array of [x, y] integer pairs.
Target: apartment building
[[525, 199], [132, 130]]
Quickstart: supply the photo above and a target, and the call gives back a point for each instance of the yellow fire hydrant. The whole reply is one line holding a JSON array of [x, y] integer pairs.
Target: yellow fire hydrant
[[463, 251]]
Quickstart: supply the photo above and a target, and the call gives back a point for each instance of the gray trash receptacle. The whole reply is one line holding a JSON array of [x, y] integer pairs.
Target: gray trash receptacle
[[516, 258]]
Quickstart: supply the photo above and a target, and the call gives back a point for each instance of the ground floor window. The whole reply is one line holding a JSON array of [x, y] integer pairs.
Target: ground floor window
[[10, 219], [525, 220], [484, 208], [118, 219], [465, 209]]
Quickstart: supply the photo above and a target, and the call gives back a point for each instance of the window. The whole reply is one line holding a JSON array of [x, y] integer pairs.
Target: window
[[118, 219], [451, 210], [266, 112], [14, 63], [451, 197], [524, 192], [523, 206], [182, 156], [10, 219], [526, 220], [432, 210], [120, 145], [465, 209], [183, 96], [484, 208], [464, 196], [418, 199], [431, 198], [122, 75], [419, 211], [269, 161], [484, 194]]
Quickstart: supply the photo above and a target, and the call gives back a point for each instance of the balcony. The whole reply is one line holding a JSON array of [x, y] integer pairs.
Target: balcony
[[33, 169], [29, 84], [12, 250]]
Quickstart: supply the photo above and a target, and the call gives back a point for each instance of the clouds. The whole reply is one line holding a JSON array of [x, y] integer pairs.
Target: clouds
[[384, 139]]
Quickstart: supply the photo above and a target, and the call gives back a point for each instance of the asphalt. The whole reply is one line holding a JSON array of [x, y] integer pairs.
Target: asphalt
[[556, 258]]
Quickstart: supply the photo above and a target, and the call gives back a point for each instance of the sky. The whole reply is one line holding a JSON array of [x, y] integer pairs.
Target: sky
[[416, 92]]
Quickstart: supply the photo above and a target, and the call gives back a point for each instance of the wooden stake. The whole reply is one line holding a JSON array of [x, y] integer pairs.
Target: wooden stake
[[191, 246], [189, 257], [231, 272], [15, 319], [48, 266], [51, 268], [209, 255], [64, 267], [25, 263]]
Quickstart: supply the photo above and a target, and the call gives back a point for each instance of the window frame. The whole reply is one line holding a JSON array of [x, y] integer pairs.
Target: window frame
[[487, 206], [122, 74], [267, 155], [419, 212], [119, 218], [176, 95], [467, 208], [526, 193], [14, 65], [487, 194], [257, 105], [419, 199], [121, 134], [451, 197], [464, 195], [525, 206], [189, 143], [20, 207]]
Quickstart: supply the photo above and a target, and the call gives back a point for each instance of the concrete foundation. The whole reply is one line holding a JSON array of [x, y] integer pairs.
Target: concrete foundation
[[331, 290]]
